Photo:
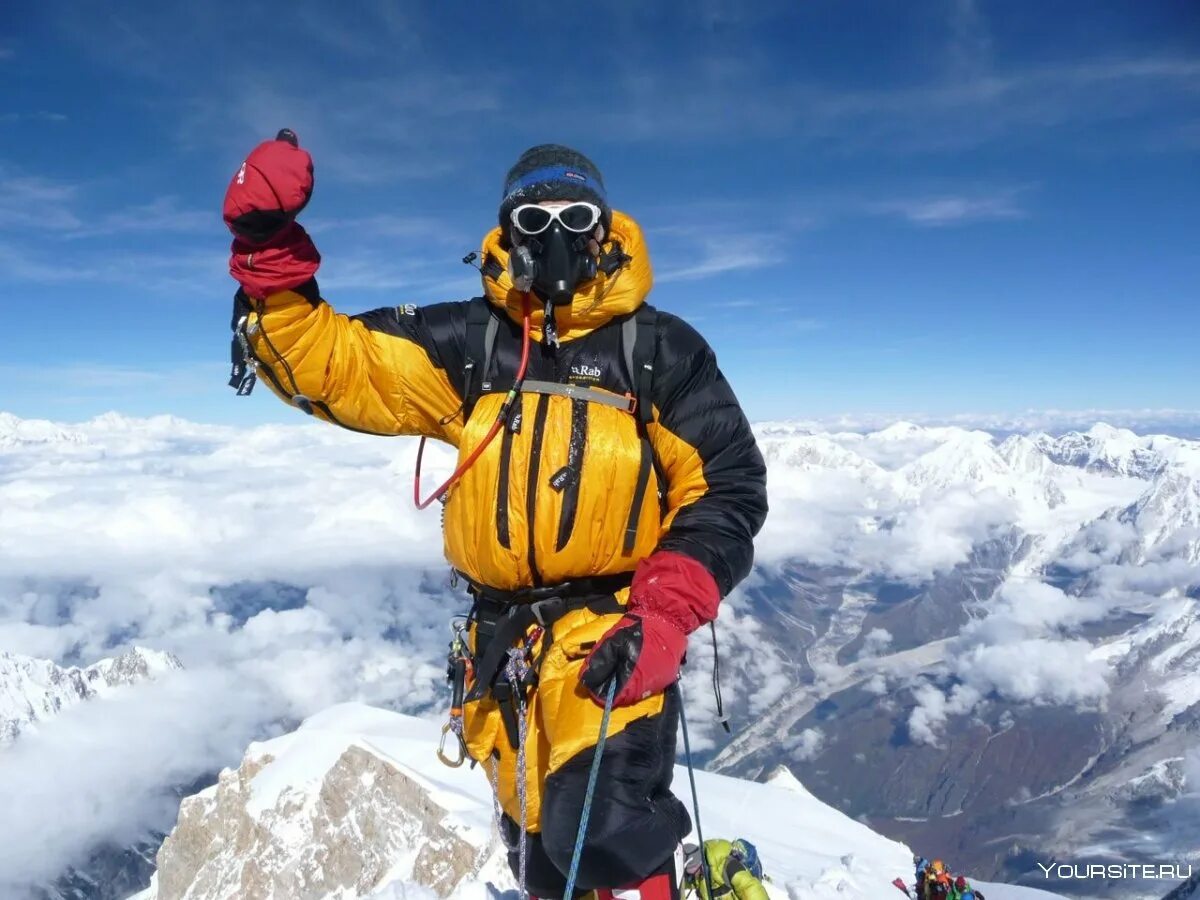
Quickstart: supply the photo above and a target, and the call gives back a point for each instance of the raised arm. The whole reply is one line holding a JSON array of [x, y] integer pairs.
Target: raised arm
[[382, 372]]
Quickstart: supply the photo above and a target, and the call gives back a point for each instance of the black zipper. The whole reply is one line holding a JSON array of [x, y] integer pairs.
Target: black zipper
[[568, 478], [535, 459], [502, 486], [639, 496]]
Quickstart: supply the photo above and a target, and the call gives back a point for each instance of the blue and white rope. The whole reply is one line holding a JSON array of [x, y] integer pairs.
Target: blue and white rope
[[593, 775]]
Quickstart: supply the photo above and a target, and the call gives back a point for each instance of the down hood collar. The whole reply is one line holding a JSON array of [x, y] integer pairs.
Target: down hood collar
[[595, 302]]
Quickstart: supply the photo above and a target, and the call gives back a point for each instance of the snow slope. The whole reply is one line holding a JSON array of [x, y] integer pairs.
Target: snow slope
[[355, 804]]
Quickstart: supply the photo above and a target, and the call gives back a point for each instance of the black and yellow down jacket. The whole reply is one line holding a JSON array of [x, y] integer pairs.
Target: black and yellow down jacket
[[570, 489]]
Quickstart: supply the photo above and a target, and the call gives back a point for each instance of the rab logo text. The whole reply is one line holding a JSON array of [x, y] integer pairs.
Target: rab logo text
[[586, 371], [241, 175]]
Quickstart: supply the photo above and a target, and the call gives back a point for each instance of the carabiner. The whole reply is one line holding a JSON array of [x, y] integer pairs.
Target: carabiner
[[449, 728]]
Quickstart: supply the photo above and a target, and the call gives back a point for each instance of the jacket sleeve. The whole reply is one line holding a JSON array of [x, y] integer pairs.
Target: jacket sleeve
[[716, 483], [383, 372]]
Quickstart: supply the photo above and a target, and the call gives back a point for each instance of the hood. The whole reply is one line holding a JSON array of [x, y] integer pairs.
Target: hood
[[595, 302]]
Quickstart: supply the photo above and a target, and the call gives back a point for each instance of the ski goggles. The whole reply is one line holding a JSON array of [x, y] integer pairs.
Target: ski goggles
[[579, 217]]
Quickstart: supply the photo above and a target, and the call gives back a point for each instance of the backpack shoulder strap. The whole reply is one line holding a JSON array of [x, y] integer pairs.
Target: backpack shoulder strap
[[482, 328], [640, 347]]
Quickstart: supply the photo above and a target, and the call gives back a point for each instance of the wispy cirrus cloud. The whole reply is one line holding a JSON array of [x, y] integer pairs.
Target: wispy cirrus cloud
[[725, 98], [719, 257], [181, 270], [40, 115], [31, 202], [970, 47], [692, 252], [954, 209]]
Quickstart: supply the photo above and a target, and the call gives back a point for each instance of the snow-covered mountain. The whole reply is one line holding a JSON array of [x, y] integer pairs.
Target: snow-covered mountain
[[354, 804], [34, 690]]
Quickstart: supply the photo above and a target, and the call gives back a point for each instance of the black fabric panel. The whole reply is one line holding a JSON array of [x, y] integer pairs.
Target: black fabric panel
[[639, 496], [506, 443], [535, 465], [636, 822], [440, 329], [579, 426], [696, 404]]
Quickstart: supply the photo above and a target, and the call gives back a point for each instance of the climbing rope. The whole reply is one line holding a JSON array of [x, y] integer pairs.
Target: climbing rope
[[515, 671], [593, 775]]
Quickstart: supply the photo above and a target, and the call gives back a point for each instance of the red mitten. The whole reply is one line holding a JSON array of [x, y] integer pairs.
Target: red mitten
[[271, 252], [672, 595], [269, 190]]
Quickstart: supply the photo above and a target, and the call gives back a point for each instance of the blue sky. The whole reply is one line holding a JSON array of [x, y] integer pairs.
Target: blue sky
[[936, 207]]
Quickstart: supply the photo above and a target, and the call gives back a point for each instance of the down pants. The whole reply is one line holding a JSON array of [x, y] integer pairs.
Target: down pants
[[636, 822]]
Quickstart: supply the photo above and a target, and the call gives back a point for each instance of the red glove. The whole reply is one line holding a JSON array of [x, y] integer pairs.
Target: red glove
[[672, 595], [270, 251]]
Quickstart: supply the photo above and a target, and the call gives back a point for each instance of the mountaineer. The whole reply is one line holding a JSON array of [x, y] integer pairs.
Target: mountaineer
[[606, 497], [734, 869]]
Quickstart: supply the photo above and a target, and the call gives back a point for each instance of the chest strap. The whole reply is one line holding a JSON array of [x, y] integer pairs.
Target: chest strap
[[579, 392]]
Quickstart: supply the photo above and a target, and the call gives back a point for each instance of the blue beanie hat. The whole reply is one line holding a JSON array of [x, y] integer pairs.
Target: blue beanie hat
[[553, 172]]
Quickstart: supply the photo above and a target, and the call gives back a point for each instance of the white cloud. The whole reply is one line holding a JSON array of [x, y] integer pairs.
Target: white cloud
[[123, 530], [876, 643], [717, 254], [954, 209], [1022, 651], [928, 717], [806, 745], [105, 770], [1039, 671], [1163, 420]]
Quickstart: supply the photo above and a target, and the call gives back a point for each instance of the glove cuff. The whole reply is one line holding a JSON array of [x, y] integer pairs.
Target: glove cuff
[[676, 588], [288, 261]]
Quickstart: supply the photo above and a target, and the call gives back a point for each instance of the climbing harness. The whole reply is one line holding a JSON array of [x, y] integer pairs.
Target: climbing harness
[[593, 775]]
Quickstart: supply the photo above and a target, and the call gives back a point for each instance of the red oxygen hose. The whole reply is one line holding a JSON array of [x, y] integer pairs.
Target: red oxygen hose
[[501, 419]]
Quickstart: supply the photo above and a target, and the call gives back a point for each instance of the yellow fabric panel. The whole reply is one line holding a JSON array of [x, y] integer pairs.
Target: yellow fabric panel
[[595, 302], [562, 719], [371, 381], [570, 716], [682, 466], [606, 488]]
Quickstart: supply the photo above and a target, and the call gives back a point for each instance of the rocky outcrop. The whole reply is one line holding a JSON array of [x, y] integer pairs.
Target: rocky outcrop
[[269, 829]]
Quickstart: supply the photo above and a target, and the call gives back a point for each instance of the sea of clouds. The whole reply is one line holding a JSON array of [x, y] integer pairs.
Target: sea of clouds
[[288, 570]]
